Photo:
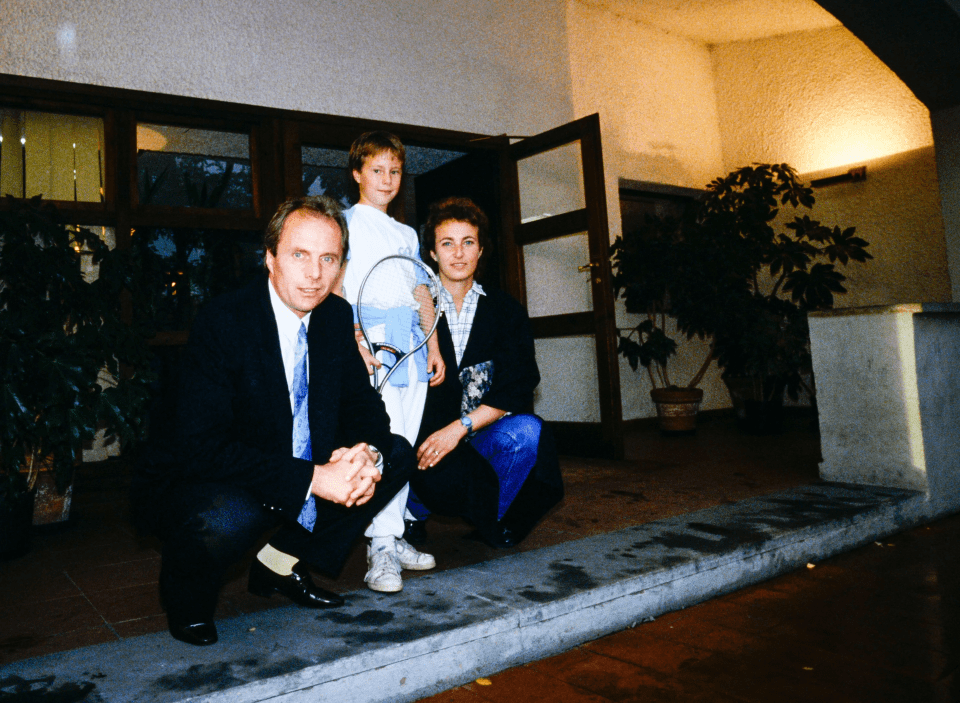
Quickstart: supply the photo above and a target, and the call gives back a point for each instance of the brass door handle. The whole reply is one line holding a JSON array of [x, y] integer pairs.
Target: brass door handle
[[587, 267]]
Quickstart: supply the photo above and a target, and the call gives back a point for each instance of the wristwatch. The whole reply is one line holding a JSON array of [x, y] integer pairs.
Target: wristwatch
[[379, 462], [467, 422]]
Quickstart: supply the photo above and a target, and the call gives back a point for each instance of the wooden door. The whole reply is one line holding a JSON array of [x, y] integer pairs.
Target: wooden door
[[557, 261]]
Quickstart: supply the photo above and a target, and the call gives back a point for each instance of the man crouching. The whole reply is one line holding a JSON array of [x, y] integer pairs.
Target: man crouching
[[276, 424]]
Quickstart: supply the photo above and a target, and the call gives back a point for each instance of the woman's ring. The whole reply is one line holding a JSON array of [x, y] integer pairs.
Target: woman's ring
[[436, 451]]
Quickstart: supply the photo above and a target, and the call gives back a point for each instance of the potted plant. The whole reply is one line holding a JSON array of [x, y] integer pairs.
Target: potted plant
[[70, 364], [761, 341], [674, 276]]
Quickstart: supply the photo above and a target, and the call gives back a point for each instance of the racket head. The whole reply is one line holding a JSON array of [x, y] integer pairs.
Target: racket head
[[391, 283]]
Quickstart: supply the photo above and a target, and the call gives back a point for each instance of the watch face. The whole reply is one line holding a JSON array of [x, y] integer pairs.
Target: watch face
[[466, 422]]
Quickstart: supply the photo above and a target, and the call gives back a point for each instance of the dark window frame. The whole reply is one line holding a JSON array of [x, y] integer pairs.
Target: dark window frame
[[276, 137]]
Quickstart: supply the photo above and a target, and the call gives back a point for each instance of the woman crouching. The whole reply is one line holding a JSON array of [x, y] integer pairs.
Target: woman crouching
[[484, 456]]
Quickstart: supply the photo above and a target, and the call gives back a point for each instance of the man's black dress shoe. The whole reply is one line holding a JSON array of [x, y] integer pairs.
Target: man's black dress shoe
[[298, 586], [415, 532], [200, 634]]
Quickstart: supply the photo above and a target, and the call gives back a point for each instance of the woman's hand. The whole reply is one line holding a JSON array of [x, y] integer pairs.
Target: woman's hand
[[439, 444]]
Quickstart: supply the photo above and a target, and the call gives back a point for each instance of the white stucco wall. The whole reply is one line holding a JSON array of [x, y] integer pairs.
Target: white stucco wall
[[822, 102], [438, 63]]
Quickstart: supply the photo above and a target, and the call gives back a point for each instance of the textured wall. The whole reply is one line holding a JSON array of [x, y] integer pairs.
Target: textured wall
[[822, 102], [817, 100], [427, 62], [654, 92]]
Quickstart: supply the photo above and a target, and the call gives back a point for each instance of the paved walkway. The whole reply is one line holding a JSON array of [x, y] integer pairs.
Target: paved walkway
[[880, 624]]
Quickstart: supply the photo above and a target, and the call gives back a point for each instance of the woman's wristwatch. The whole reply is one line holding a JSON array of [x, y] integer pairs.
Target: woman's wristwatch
[[467, 422]]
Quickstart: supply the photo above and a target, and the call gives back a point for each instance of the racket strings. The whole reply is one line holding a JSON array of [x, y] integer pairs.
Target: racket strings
[[394, 283]]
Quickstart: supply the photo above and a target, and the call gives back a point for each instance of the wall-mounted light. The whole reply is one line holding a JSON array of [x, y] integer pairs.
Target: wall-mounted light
[[857, 173]]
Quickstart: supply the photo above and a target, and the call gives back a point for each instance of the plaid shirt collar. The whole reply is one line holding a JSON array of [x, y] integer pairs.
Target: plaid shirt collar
[[460, 324]]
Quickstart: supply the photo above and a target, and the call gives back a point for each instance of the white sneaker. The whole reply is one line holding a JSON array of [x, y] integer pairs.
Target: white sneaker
[[383, 573], [411, 559]]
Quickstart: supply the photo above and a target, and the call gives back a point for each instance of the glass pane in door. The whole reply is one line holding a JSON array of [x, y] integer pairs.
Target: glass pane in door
[[551, 182], [185, 267], [555, 285]]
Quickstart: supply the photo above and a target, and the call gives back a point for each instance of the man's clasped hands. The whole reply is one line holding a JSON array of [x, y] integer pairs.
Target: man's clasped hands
[[349, 477]]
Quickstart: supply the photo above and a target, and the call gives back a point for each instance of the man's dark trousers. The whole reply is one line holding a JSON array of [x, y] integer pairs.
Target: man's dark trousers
[[207, 527]]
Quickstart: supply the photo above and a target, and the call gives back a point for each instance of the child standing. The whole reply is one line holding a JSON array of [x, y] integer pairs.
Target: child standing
[[376, 163]]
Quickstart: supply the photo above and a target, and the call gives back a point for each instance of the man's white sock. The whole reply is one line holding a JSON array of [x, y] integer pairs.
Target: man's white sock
[[277, 561]]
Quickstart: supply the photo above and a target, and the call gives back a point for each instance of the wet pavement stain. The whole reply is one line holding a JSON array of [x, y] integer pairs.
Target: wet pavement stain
[[42, 690], [434, 606], [567, 579], [200, 678], [407, 630]]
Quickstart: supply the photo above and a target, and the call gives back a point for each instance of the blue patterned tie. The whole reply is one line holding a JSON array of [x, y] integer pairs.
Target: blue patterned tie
[[301, 420]]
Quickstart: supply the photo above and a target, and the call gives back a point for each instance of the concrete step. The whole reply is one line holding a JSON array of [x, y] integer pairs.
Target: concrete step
[[454, 626]]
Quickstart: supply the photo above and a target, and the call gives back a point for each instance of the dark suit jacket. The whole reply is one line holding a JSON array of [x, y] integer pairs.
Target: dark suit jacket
[[501, 333], [234, 422]]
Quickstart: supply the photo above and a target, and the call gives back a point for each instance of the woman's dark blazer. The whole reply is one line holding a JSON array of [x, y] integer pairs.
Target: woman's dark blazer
[[501, 333], [463, 483]]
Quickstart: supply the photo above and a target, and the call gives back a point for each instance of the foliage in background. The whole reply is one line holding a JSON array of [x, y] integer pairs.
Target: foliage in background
[[664, 269], [727, 275], [787, 273], [70, 364]]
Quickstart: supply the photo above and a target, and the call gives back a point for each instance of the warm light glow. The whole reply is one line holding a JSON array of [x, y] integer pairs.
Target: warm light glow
[[844, 144], [23, 141], [150, 139]]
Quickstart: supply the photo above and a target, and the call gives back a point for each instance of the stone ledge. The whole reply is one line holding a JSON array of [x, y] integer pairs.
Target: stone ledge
[[451, 627]]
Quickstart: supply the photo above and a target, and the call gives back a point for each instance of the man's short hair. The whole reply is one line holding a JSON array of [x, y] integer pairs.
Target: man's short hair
[[317, 205], [458, 210], [370, 144]]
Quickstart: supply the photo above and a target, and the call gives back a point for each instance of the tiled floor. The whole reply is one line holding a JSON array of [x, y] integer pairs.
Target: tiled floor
[[96, 581], [877, 625]]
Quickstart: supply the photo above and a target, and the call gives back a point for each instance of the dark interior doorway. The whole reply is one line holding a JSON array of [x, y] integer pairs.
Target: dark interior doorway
[[474, 175]]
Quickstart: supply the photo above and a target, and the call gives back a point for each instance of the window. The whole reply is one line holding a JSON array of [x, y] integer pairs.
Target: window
[[186, 266], [196, 168], [56, 156], [325, 173]]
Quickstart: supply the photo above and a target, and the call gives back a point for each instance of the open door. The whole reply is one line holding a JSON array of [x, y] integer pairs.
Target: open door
[[556, 244]]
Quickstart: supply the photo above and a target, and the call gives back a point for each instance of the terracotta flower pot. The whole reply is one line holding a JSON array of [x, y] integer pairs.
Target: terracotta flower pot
[[51, 507], [677, 409]]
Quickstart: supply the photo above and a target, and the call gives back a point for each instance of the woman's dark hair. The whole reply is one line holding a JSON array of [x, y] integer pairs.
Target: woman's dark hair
[[457, 210]]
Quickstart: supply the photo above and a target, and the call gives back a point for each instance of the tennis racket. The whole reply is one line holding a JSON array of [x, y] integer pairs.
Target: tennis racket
[[398, 310]]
